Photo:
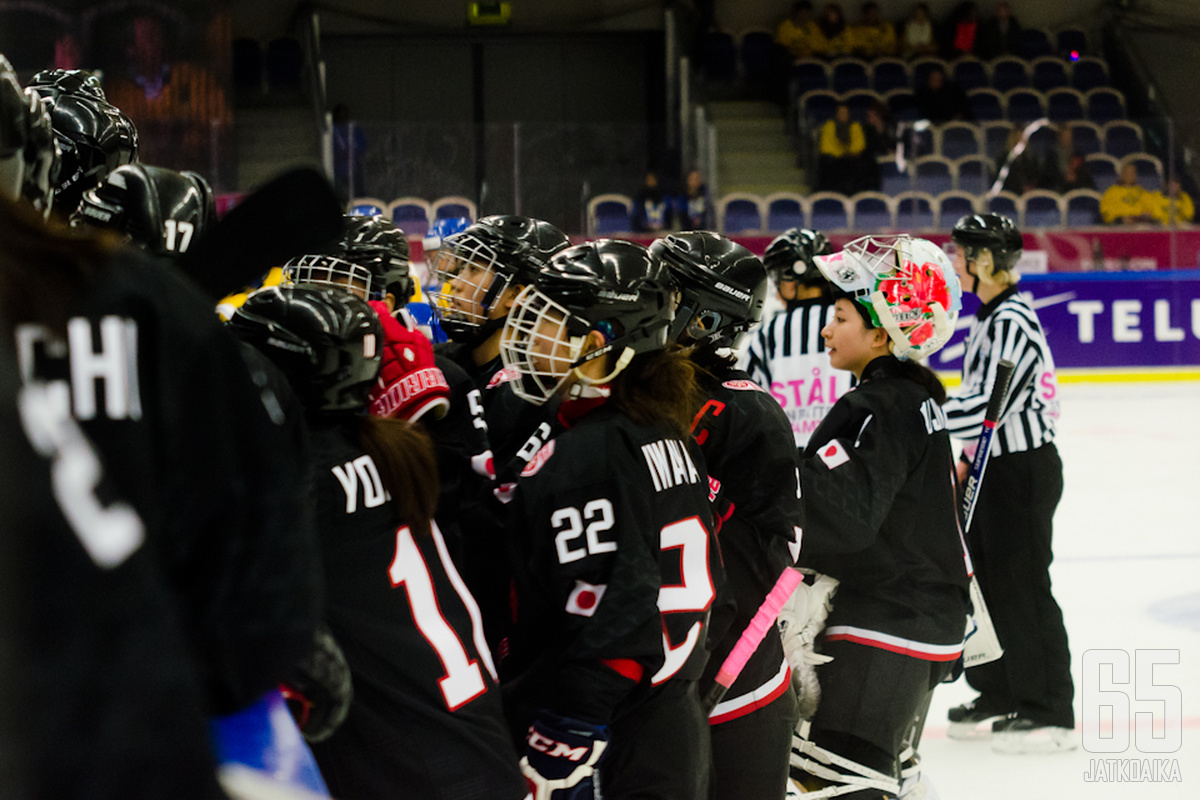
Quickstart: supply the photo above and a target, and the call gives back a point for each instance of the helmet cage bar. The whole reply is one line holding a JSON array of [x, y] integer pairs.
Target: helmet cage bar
[[541, 341], [326, 270], [451, 267]]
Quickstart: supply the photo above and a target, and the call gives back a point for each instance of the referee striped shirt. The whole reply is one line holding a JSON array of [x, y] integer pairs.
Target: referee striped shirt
[[1007, 327], [787, 357]]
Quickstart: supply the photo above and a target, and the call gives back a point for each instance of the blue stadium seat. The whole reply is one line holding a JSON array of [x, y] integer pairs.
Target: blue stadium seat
[[411, 215], [1082, 208], [958, 139], [1049, 73], [995, 138], [1043, 142], [1122, 138], [784, 210], [890, 73], [916, 141], [809, 74], [1009, 72], [902, 104], [367, 207], [986, 104], [739, 212], [1005, 204], [892, 180], [859, 101], [953, 206], [914, 211], [848, 74], [828, 211], [974, 174], [1105, 105], [818, 106], [1035, 42], [1086, 137], [1064, 105], [609, 214], [1150, 170], [452, 207], [1025, 105], [1042, 209], [1104, 169], [934, 175], [1089, 73], [872, 211], [971, 73], [921, 67]]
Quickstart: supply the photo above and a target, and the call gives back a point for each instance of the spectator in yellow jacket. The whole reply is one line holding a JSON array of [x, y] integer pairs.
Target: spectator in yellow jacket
[[799, 32], [1171, 208], [1125, 201], [873, 36], [835, 33], [842, 144]]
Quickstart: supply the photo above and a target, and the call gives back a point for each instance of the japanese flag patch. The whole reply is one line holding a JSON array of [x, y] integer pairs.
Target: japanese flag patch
[[585, 598], [833, 454]]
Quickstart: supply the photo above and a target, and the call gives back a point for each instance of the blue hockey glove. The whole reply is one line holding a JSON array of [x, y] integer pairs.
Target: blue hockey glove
[[561, 755]]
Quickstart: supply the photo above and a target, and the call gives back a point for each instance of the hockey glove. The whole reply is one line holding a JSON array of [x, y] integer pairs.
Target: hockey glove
[[319, 689], [561, 755], [800, 623], [409, 384]]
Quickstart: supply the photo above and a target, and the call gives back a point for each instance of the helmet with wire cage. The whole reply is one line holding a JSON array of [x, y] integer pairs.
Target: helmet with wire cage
[[722, 287], [376, 244], [326, 341], [475, 267], [158, 208], [616, 287], [904, 285], [789, 257]]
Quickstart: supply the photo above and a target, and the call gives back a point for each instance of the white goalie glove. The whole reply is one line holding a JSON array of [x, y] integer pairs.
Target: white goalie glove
[[800, 623]]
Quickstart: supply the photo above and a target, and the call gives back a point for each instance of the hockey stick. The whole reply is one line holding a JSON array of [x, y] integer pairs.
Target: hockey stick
[[748, 642], [982, 645], [292, 215]]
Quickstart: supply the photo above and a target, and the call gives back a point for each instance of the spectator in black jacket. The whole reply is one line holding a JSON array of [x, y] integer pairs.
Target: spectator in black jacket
[[941, 100], [1000, 34]]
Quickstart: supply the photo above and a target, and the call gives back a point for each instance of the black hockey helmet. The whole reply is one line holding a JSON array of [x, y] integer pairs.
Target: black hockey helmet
[[977, 232], [94, 136], [378, 245], [328, 342], [476, 266], [722, 287], [160, 209], [789, 257], [616, 287]]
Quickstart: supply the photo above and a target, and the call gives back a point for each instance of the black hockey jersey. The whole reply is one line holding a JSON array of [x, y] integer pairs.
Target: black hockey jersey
[[163, 392], [426, 719], [753, 472], [617, 563], [880, 516]]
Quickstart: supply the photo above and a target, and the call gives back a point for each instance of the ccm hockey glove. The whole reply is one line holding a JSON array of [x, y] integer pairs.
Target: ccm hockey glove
[[319, 690], [410, 385], [561, 755]]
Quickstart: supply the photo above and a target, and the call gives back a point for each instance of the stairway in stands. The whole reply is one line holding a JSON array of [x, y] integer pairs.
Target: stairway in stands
[[755, 153]]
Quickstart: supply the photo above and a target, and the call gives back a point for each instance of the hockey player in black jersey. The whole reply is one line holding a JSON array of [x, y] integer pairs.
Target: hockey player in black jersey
[[753, 473], [786, 355], [426, 716], [880, 516], [1030, 689], [611, 525]]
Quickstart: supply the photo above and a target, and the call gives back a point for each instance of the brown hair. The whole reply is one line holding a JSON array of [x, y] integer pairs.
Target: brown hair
[[45, 265], [407, 464], [659, 387]]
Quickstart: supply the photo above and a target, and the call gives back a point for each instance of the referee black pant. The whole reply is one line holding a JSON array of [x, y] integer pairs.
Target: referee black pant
[[1010, 542]]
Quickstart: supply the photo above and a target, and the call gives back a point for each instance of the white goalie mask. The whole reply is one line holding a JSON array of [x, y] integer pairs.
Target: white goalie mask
[[907, 285]]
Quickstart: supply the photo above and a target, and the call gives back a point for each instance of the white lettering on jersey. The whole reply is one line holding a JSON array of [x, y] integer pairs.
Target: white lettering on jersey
[[360, 471], [568, 523], [670, 464], [114, 364], [935, 418]]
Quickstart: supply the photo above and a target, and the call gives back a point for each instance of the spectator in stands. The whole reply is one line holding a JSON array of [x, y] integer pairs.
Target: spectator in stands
[[842, 146], [835, 34], [1000, 34], [651, 207], [1066, 168], [941, 99], [962, 29], [1020, 168], [694, 207], [919, 37], [1171, 208], [880, 136], [799, 32], [349, 147], [873, 36], [1125, 202]]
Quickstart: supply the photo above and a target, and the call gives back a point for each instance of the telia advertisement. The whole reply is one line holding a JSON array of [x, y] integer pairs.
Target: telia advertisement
[[1105, 320]]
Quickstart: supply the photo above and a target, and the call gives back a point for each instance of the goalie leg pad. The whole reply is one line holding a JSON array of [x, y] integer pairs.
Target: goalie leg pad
[[836, 775]]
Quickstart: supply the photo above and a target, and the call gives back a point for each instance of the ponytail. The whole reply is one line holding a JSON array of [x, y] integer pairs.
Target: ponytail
[[923, 376], [407, 465], [659, 388]]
